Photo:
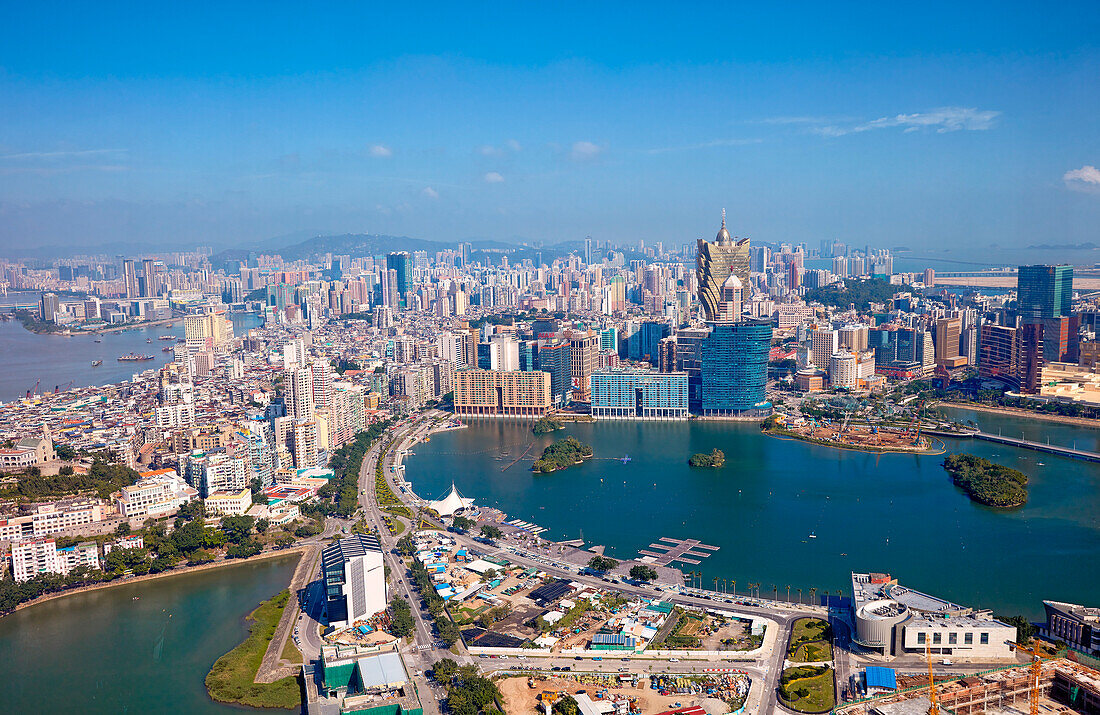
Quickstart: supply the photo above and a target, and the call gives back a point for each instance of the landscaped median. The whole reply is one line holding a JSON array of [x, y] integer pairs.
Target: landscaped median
[[811, 641], [231, 679], [808, 688]]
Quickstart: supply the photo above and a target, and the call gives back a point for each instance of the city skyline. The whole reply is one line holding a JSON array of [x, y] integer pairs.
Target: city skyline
[[953, 132]]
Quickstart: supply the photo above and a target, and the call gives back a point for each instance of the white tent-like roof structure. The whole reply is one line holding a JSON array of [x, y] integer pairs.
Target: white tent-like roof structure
[[452, 503]]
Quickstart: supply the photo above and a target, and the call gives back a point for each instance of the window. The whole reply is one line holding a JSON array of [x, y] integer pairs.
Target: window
[[952, 638], [920, 639], [985, 639], [936, 638], [968, 638]]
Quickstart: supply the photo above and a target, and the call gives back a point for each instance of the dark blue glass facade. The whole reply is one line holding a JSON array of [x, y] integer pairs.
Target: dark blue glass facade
[[735, 367]]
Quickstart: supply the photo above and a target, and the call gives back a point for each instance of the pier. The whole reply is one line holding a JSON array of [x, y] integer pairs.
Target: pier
[[683, 550]]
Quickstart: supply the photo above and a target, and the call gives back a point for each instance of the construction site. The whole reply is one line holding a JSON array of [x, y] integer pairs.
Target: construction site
[[1056, 685], [862, 436]]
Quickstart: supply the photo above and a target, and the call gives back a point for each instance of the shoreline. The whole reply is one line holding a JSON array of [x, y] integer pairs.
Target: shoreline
[[163, 574], [1016, 411]]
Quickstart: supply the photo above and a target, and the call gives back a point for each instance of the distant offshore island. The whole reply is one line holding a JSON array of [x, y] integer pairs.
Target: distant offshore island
[[987, 483], [562, 454]]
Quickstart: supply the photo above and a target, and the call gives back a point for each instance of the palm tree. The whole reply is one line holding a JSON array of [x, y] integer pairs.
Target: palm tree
[[715, 583], [788, 593], [734, 587], [800, 597], [813, 594], [776, 594]]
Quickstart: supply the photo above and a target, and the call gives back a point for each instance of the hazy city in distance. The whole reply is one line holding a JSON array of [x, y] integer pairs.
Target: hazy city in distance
[[489, 358]]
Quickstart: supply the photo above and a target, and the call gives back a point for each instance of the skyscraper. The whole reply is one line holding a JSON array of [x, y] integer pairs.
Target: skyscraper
[[129, 277], [1044, 291], [401, 262], [735, 367], [148, 278], [714, 261]]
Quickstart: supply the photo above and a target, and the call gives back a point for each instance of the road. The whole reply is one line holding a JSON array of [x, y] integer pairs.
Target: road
[[423, 652]]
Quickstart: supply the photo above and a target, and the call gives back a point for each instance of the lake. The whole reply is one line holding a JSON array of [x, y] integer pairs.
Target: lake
[[788, 512]]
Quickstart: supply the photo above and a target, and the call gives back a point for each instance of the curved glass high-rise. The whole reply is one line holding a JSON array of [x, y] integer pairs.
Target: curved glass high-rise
[[714, 262]]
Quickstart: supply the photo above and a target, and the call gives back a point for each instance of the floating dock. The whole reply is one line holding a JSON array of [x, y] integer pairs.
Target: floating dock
[[687, 551]]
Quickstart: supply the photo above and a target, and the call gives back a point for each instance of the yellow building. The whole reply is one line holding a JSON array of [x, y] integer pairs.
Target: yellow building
[[500, 392]]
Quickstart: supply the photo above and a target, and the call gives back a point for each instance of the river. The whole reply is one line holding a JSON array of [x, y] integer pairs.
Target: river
[[103, 652], [64, 362], [788, 512]]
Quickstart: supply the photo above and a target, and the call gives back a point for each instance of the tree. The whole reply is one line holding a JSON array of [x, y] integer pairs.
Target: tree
[[567, 706], [123, 528], [444, 670], [448, 631], [401, 620], [200, 556], [462, 523], [602, 564], [491, 532], [641, 572], [1024, 628], [237, 528], [489, 575], [246, 548], [285, 541], [262, 526]]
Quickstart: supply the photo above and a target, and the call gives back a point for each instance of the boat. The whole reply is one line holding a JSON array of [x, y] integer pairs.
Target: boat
[[168, 349], [167, 337], [96, 363], [134, 357], [813, 535], [148, 340], [98, 340]]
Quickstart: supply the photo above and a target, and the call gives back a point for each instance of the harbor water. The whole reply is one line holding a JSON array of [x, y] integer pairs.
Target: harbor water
[[139, 648], [49, 361], [786, 512]]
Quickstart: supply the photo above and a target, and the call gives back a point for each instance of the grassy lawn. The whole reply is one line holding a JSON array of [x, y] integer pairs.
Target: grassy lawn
[[290, 653], [230, 680], [808, 689], [811, 641]]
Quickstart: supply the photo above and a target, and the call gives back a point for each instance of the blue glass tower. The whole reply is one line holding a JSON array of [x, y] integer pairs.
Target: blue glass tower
[[735, 367]]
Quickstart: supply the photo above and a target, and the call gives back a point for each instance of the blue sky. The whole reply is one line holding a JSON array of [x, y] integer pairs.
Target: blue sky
[[943, 127]]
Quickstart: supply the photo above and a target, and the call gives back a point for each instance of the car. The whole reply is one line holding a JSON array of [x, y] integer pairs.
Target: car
[[673, 660]]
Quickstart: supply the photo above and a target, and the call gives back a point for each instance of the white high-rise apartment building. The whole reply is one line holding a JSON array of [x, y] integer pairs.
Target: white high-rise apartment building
[[300, 393]]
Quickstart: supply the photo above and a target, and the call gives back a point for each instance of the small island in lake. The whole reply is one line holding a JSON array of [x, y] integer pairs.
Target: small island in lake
[[561, 454], [715, 459], [546, 425], [987, 483]]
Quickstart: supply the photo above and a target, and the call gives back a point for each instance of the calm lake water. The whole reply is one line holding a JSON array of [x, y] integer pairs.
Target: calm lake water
[[27, 358], [895, 513], [103, 652]]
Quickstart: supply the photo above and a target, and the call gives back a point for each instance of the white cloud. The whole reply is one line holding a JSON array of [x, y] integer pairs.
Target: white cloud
[[51, 155], [429, 192], [489, 150], [942, 120], [380, 151], [493, 178], [513, 145], [585, 151], [1087, 176], [705, 145]]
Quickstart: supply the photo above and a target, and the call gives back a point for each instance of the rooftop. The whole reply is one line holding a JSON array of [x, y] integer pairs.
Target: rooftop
[[350, 547]]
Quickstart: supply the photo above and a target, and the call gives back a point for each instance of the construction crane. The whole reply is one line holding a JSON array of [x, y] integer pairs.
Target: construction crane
[[1035, 690], [34, 390], [934, 708]]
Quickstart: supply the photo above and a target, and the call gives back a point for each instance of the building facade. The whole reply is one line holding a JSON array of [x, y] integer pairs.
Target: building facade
[[639, 394]]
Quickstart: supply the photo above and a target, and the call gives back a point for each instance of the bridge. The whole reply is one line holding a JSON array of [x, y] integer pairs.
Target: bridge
[[1070, 452]]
